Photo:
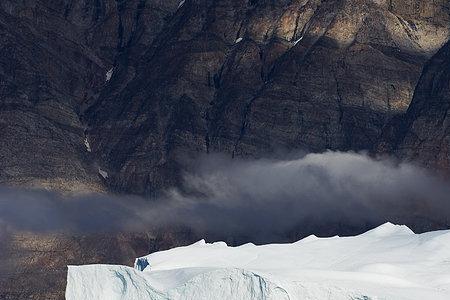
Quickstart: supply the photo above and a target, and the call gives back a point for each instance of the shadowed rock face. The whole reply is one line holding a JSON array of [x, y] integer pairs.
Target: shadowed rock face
[[129, 87], [53, 58], [423, 133], [251, 78]]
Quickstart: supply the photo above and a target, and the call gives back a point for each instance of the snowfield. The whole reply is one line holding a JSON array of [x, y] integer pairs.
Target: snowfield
[[389, 262]]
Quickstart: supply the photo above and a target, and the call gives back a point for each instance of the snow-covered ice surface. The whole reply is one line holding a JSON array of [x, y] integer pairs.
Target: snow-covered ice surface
[[389, 262]]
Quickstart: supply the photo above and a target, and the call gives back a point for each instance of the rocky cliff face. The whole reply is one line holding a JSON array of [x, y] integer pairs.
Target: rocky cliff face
[[251, 78], [129, 87], [54, 57], [423, 133]]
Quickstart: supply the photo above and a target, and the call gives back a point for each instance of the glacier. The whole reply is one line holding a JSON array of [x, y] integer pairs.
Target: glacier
[[388, 262]]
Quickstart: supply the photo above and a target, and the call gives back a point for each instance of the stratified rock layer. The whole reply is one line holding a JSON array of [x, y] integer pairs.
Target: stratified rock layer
[[423, 133], [53, 58], [112, 95]]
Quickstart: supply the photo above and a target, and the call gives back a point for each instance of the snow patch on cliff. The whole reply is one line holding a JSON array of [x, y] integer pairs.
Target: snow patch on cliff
[[298, 40], [109, 74], [103, 173], [389, 262], [87, 145]]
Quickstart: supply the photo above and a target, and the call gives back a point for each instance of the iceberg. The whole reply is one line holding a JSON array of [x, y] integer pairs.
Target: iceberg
[[388, 262]]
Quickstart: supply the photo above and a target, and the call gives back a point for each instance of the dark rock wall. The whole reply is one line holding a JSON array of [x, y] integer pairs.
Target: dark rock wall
[[246, 78], [53, 59], [423, 133], [251, 78]]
